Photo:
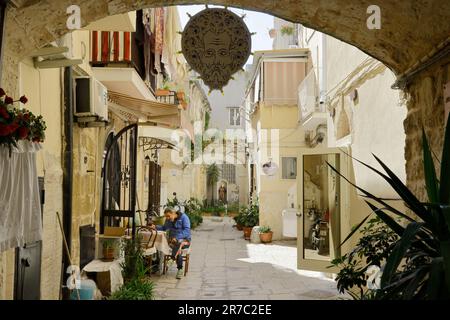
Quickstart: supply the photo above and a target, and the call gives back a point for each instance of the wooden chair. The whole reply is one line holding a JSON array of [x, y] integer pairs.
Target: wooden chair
[[147, 239], [185, 252]]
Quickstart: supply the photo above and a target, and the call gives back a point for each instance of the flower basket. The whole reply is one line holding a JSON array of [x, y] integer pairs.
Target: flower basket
[[18, 124], [162, 92]]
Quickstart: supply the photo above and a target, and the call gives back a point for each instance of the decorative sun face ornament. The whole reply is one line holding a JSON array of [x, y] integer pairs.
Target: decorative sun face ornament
[[216, 43]]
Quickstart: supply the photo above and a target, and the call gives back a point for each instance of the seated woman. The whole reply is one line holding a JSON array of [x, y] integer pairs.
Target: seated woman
[[178, 228]]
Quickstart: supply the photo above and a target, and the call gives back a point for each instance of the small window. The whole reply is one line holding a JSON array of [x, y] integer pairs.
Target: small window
[[235, 117], [289, 167]]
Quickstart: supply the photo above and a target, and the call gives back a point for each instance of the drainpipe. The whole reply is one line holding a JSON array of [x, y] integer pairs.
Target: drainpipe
[[67, 166]]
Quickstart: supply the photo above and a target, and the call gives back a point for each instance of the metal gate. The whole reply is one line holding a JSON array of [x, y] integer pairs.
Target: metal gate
[[119, 180]]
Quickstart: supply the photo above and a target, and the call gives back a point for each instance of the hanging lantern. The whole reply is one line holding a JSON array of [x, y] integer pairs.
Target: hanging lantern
[[216, 43], [270, 168]]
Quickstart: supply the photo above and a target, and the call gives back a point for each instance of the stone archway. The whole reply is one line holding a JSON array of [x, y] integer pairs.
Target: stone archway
[[411, 34]]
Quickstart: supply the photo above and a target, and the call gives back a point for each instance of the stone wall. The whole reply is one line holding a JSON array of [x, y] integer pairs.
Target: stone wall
[[425, 103]]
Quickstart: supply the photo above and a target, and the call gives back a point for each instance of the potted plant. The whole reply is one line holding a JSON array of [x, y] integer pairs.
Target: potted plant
[[181, 95], [164, 91], [265, 234], [287, 30], [250, 219], [108, 250]]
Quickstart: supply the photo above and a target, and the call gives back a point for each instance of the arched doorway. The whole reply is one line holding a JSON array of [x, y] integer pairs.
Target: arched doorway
[[418, 56]]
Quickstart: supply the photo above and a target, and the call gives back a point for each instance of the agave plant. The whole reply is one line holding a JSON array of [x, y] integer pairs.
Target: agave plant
[[418, 267]]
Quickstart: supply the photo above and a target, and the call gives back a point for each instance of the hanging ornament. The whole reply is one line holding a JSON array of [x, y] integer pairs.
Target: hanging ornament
[[270, 168], [216, 43]]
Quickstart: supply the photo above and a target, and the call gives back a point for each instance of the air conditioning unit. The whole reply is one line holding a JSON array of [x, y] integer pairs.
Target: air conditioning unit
[[91, 98]]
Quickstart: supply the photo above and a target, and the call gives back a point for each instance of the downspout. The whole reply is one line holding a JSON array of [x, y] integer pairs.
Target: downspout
[[67, 166]]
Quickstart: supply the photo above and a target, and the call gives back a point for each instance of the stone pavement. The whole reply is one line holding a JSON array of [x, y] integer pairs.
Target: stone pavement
[[225, 266]]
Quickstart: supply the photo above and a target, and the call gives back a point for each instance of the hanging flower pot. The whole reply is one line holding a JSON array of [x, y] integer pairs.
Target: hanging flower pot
[[181, 95], [18, 124], [162, 92]]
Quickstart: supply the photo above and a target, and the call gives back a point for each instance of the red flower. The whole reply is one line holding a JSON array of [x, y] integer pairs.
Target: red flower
[[26, 117], [9, 100], [3, 113], [23, 132], [2, 92], [23, 99], [12, 127], [3, 130]]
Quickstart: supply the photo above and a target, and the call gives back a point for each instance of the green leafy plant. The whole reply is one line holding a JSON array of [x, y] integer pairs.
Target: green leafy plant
[[372, 249], [136, 284], [418, 267], [250, 215], [265, 229], [133, 265], [108, 244], [135, 289], [287, 30], [212, 174]]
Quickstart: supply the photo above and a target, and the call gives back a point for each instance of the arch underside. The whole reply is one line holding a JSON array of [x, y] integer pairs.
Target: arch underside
[[410, 30]]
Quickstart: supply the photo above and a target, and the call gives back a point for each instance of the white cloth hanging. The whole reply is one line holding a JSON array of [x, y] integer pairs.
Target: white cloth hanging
[[20, 209]]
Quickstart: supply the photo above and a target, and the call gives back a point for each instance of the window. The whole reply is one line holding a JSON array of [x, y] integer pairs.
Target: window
[[289, 167], [229, 173], [234, 116]]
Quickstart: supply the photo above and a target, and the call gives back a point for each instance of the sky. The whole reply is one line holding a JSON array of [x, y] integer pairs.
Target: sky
[[257, 22]]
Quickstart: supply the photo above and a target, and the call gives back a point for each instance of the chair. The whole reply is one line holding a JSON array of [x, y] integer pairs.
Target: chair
[[147, 240], [185, 252]]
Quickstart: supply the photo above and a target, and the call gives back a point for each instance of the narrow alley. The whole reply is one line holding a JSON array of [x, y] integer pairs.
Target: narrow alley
[[225, 266]]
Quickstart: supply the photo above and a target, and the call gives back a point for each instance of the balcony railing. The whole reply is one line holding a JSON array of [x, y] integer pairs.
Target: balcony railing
[[120, 49], [308, 97], [169, 97]]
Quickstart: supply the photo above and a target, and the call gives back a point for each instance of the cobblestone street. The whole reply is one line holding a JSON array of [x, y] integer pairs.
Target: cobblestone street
[[225, 266]]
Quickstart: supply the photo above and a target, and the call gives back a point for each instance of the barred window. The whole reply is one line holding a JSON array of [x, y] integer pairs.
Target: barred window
[[229, 172]]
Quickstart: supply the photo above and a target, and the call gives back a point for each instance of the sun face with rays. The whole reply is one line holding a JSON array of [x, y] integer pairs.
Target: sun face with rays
[[216, 43]]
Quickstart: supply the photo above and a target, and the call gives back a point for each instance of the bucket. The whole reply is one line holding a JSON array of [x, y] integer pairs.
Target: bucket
[[86, 291]]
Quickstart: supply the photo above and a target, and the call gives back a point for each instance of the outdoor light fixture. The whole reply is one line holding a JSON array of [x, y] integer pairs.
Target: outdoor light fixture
[[216, 43], [270, 168]]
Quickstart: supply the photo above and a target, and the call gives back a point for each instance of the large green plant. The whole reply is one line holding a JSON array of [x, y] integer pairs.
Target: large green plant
[[213, 175], [250, 215], [419, 265], [135, 289], [136, 284], [373, 247]]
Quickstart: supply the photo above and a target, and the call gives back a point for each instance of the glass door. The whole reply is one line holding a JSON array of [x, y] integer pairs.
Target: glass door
[[321, 198]]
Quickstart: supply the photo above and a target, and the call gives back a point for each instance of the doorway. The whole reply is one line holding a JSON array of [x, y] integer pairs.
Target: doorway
[[322, 197]]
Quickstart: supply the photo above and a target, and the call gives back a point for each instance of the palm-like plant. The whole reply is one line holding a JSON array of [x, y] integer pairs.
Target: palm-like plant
[[213, 175], [418, 267]]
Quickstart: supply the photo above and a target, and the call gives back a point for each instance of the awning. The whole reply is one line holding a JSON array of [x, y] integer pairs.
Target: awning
[[146, 110]]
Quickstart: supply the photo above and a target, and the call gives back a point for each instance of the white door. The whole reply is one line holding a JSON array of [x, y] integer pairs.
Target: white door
[[321, 196]]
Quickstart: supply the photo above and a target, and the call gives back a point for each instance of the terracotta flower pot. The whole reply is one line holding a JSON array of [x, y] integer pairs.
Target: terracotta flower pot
[[266, 237], [108, 253], [239, 227], [180, 95], [162, 92], [247, 232]]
